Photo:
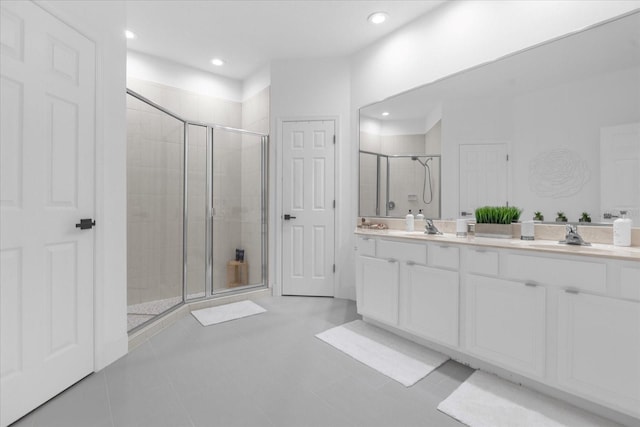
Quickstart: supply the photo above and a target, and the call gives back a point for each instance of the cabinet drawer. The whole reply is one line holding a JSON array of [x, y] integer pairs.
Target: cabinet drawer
[[482, 261], [630, 283], [581, 275], [414, 252], [366, 246], [445, 256]]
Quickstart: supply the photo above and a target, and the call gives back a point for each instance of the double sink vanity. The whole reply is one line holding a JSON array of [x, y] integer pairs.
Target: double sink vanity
[[561, 319]]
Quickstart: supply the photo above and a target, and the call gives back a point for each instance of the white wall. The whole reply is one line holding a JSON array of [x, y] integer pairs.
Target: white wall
[[308, 89], [456, 36], [103, 22], [151, 68], [256, 83]]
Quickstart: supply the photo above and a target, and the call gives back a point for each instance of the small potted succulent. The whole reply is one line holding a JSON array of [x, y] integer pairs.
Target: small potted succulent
[[561, 217], [537, 216], [585, 217]]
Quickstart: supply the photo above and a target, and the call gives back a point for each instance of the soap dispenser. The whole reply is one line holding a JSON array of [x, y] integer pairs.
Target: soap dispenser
[[420, 216], [622, 230], [409, 221]]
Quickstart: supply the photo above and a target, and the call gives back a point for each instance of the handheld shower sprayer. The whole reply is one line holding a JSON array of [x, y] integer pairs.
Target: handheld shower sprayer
[[427, 173]]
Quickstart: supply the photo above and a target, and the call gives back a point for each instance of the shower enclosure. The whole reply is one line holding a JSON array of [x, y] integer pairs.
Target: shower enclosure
[[196, 213]]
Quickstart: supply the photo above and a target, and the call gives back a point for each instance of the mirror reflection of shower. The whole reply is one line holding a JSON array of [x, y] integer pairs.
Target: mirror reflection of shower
[[427, 174], [391, 184]]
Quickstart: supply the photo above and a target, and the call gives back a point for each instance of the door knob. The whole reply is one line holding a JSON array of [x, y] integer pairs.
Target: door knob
[[287, 217], [86, 224]]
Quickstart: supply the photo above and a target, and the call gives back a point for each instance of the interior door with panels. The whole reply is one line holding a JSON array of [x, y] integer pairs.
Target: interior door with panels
[[47, 186], [308, 207]]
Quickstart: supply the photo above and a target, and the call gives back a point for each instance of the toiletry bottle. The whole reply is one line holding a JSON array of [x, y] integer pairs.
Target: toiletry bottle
[[420, 216], [622, 230], [409, 221]]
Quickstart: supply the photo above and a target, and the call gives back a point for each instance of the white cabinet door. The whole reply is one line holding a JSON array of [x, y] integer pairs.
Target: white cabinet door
[[505, 323], [378, 297], [430, 303], [599, 349]]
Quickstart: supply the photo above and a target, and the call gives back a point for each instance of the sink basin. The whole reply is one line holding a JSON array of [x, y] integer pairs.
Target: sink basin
[[564, 242]]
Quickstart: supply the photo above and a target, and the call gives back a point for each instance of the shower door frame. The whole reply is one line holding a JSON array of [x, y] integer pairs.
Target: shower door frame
[[209, 214]]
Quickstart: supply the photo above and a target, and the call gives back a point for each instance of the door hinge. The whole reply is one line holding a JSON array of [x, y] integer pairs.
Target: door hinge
[[507, 157], [334, 204], [334, 268], [334, 139]]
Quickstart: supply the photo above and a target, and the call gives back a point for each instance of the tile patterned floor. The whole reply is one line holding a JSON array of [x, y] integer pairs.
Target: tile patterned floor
[[266, 370]]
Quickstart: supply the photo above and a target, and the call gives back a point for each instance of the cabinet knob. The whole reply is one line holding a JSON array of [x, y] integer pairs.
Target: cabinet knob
[[531, 284], [392, 260], [411, 263], [572, 291]]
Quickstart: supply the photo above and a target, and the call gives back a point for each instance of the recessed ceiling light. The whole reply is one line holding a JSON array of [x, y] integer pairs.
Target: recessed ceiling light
[[129, 34], [386, 113], [217, 62], [378, 17]]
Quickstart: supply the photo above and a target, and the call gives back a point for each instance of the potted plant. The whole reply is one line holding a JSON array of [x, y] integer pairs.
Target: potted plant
[[561, 217], [537, 216], [495, 221], [585, 217]]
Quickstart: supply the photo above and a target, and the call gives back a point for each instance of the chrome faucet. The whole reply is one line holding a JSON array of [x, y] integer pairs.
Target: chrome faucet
[[430, 228], [572, 237]]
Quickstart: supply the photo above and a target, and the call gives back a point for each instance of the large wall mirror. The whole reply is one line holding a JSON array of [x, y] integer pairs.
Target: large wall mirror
[[552, 128]]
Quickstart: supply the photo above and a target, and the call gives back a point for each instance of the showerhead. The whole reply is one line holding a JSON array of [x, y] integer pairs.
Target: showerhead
[[418, 160]]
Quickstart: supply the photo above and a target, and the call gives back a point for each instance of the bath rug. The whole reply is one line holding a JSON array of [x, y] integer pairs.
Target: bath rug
[[387, 353], [224, 313], [486, 400]]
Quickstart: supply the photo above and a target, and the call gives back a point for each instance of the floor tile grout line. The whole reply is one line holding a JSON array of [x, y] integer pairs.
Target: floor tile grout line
[[106, 385]]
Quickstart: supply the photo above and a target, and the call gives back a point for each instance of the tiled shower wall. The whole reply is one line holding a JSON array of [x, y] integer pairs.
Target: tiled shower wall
[[236, 184], [154, 204]]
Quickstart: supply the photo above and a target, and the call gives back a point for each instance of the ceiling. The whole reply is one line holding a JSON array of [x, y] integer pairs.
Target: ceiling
[[248, 34]]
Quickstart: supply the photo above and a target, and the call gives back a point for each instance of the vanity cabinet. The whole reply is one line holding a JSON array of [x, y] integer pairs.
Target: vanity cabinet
[[599, 348], [505, 323], [569, 321], [430, 303]]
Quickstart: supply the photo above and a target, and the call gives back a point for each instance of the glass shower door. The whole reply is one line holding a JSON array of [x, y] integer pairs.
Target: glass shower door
[[238, 219]]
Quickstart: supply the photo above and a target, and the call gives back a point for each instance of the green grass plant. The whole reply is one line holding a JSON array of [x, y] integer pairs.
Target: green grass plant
[[497, 214]]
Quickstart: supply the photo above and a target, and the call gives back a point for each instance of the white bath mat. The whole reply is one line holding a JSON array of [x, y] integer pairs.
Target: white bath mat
[[224, 313], [387, 353], [486, 400]]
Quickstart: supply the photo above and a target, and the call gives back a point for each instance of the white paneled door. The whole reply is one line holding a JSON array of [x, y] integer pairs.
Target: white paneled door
[[483, 176], [47, 185], [620, 170], [308, 207]]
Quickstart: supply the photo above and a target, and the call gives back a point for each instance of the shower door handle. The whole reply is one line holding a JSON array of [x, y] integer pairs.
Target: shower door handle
[[287, 217]]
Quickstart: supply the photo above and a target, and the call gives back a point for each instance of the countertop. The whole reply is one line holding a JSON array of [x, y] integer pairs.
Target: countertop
[[546, 246]]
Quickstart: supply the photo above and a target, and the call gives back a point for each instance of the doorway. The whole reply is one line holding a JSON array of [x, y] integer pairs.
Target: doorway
[[308, 207], [483, 176]]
